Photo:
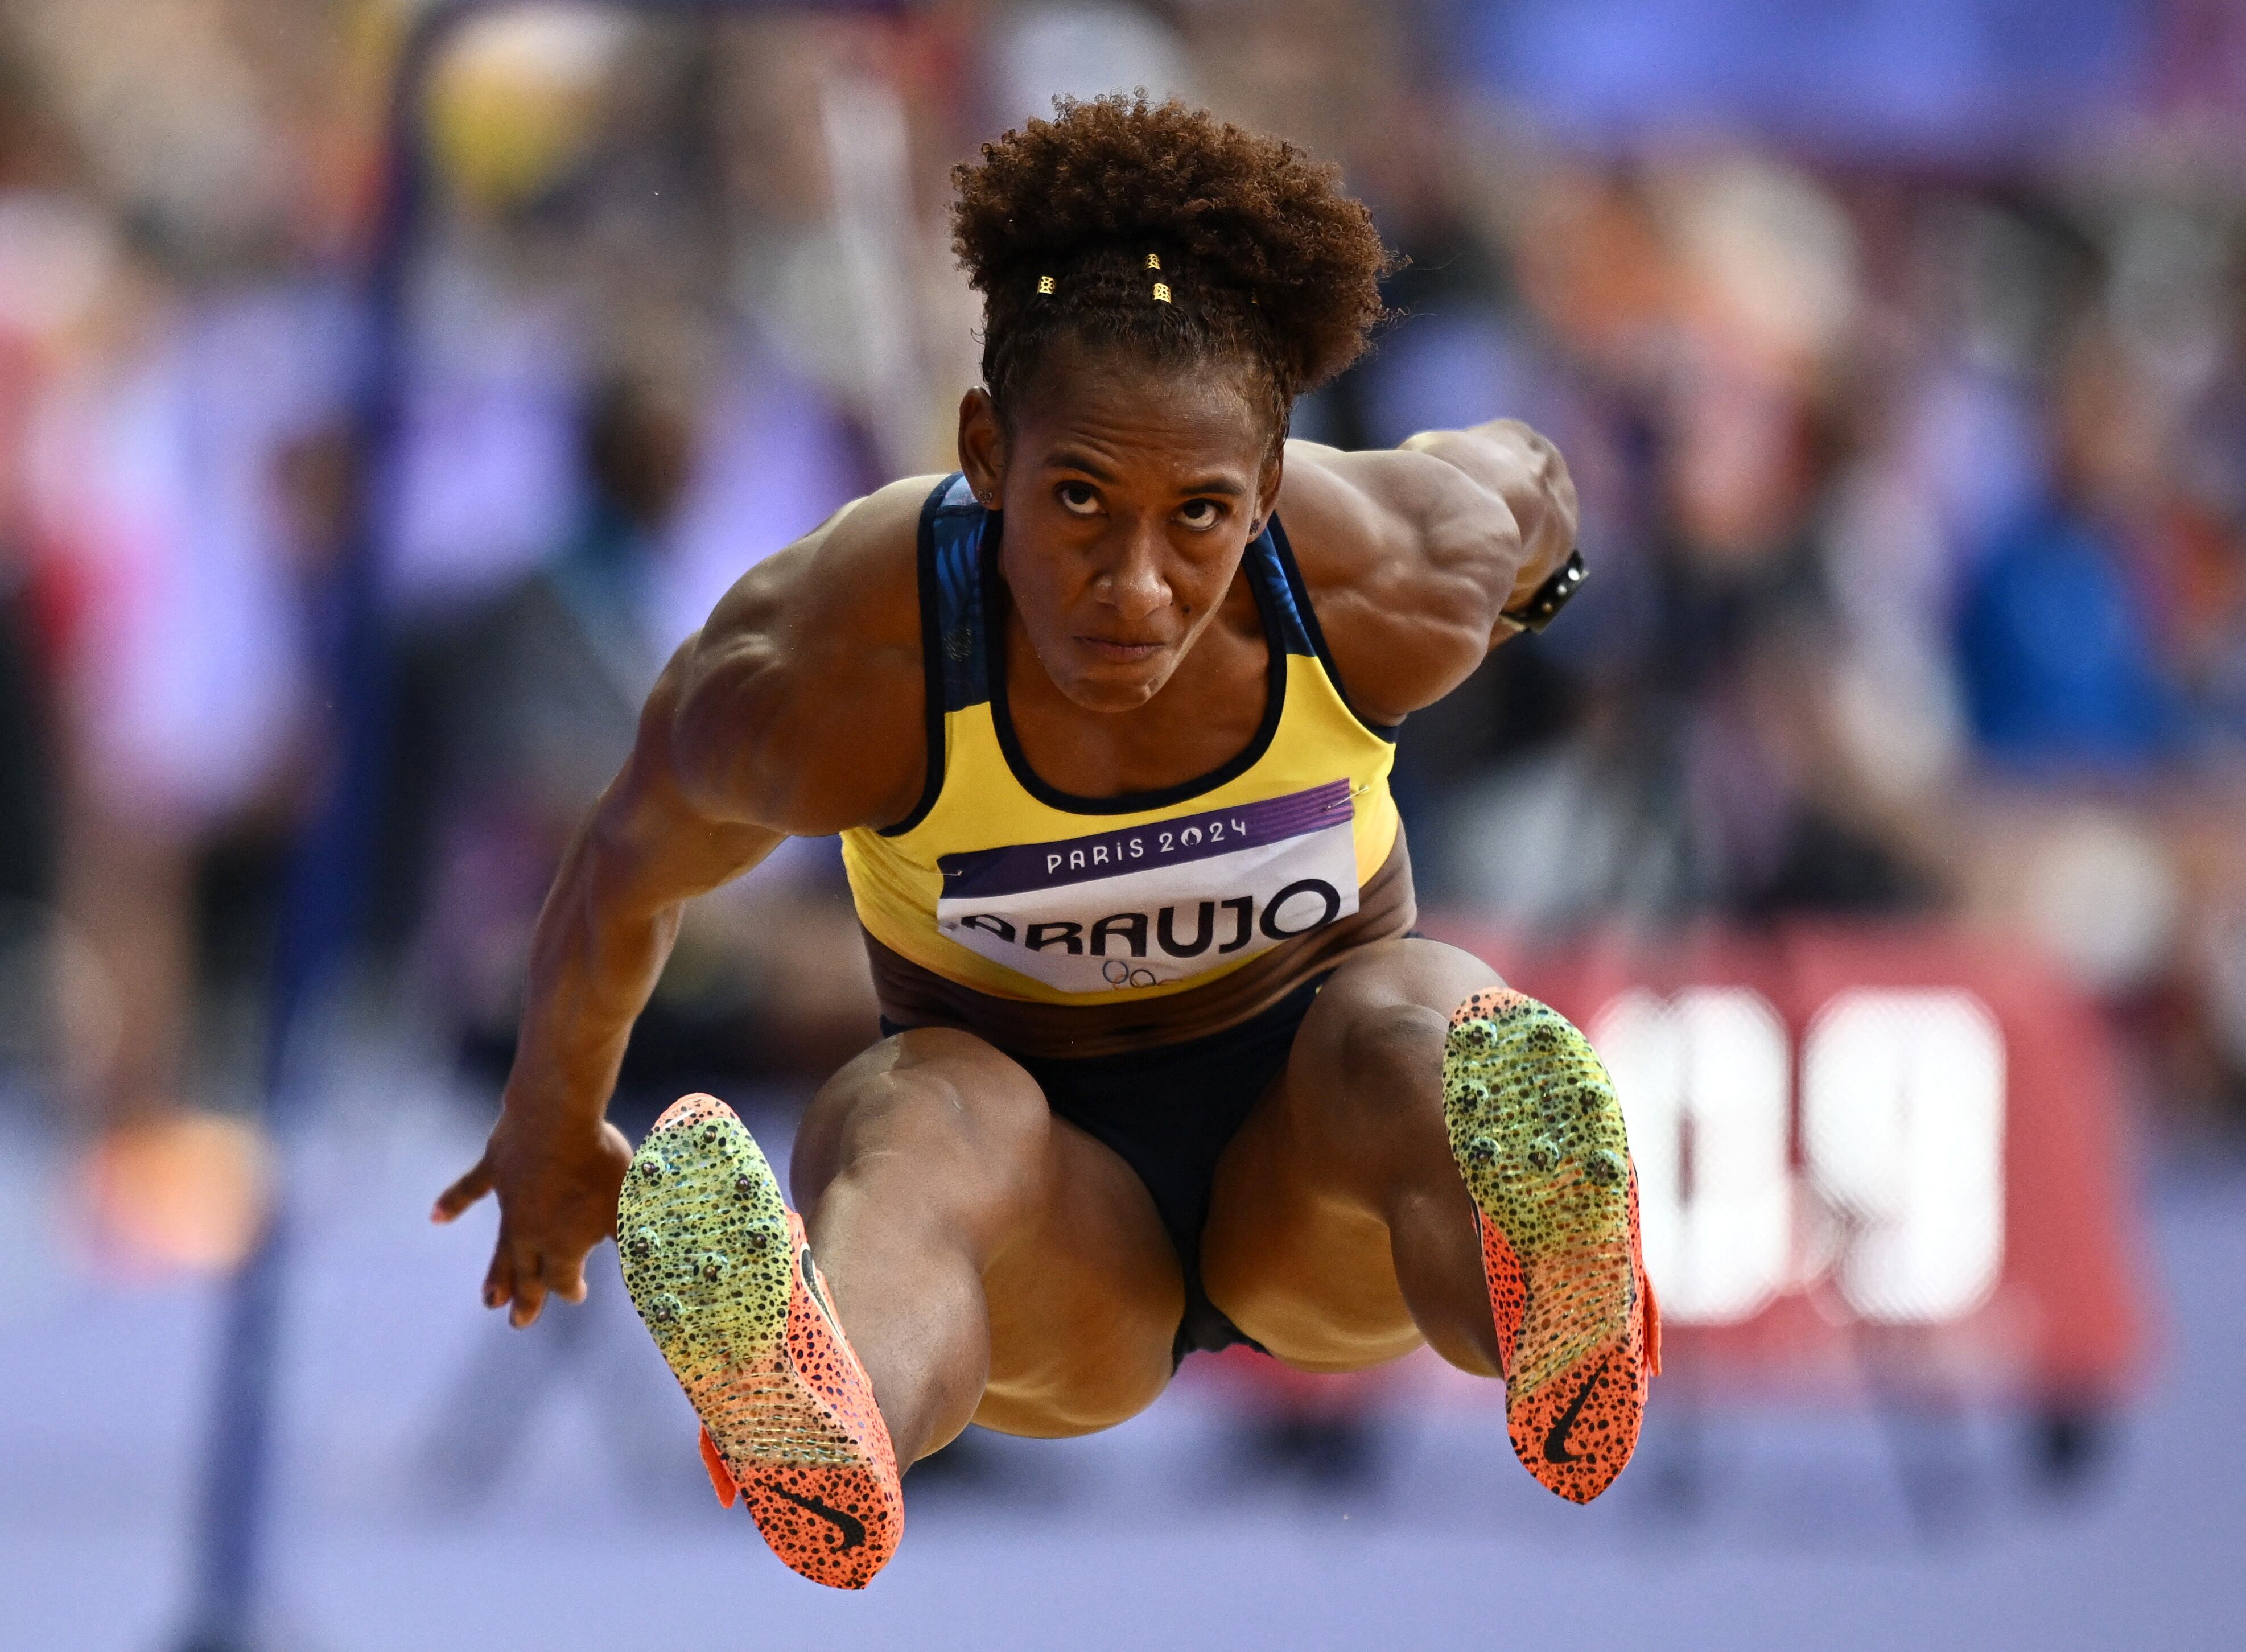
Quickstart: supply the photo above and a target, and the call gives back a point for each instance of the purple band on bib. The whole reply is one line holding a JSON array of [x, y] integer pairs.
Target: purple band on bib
[[1021, 868]]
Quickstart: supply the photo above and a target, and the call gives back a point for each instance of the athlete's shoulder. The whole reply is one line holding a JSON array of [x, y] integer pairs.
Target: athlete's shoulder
[[800, 700], [1408, 563], [853, 573]]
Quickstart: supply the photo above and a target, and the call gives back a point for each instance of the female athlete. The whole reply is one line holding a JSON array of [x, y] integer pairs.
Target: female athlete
[[1104, 720]]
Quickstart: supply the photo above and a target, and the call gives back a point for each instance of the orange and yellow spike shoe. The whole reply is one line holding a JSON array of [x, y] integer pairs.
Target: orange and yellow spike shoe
[[1538, 1136], [721, 1272]]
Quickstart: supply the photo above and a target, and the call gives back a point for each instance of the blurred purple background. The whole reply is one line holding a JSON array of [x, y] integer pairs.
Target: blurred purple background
[[1897, 350]]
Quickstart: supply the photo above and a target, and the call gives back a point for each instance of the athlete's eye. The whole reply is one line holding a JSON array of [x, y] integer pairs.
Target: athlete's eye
[[1201, 514], [1078, 498]]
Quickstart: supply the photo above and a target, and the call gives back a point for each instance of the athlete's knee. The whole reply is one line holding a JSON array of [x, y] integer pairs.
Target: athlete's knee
[[961, 1130], [1115, 1397], [1393, 1052], [944, 1103], [1082, 1389]]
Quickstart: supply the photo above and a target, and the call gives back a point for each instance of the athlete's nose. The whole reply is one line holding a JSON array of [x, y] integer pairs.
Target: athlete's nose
[[1133, 585]]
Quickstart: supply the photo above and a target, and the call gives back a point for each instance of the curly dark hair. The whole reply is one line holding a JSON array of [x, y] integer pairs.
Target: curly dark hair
[[1266, 261]]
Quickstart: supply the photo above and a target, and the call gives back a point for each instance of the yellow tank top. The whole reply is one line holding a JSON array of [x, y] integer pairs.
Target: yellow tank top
[[1001, 883]]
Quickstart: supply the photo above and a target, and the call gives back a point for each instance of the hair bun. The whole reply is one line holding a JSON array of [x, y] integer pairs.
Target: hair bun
[[1116, 179]]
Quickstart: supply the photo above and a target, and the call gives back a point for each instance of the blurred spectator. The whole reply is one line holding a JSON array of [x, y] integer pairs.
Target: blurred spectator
[[531, 702], [2056, 639], [2058, 654], [163, 487], [175, 355]]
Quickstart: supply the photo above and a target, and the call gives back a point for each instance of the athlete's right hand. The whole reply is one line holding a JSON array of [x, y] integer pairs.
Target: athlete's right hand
[[557, 1198]]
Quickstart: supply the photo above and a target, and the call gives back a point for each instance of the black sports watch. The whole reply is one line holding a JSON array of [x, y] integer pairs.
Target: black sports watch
[[1548, 598]]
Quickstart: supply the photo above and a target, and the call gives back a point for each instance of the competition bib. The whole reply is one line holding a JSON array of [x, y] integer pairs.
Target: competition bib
[[1146, 906]]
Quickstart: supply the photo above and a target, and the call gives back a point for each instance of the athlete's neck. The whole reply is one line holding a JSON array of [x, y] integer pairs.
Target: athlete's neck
[[1211, 709]]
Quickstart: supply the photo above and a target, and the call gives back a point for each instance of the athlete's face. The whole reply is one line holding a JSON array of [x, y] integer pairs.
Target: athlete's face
[[1130, 492]]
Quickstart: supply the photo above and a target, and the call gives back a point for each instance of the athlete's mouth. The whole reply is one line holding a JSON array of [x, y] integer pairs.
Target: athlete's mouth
[[1122, 653]]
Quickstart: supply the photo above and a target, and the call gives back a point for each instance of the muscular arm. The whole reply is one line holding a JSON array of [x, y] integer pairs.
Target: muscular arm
[[1413, 554], [737, 749]]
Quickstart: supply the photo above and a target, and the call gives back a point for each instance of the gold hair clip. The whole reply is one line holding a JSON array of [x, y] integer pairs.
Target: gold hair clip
[[1161, 292], [1045, 286], [1154, 261]]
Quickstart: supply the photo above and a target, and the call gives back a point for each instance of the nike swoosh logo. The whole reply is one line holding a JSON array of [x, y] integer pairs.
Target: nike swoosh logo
[[852, 1528], [1555, 1443], [811, 1284]]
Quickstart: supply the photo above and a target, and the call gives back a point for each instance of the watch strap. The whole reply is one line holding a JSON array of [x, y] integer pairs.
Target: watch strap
[[1550, 597]]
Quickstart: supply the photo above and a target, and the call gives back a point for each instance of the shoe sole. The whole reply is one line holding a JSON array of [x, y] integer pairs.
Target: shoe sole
[[1538, 1134], [718, 1273]]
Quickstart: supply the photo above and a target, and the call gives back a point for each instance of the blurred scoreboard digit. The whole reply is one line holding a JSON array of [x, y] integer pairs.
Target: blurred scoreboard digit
[[1869, 1157]]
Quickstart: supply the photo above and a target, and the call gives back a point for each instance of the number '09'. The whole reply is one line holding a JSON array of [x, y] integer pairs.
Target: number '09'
[[1901, 1130]]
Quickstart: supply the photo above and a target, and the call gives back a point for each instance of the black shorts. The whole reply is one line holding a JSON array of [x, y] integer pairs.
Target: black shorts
[[1169, 1111]]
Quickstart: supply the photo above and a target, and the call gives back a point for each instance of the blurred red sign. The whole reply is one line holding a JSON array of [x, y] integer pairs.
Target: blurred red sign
[[1868, 1156]]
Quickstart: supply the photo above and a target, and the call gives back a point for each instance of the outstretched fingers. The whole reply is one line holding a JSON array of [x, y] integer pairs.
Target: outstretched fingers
[[565, 1279], [499, 1280], [549, 1216], [515, 1278], [516, 1281], [463, 1193], [530, 1287]]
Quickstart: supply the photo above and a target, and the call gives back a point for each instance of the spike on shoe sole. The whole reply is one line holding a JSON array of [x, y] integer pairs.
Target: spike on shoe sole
[[1538, 1135], [722, 1275]]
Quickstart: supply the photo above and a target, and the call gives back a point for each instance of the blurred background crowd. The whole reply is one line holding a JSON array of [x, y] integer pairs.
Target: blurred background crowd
[[1898, 357], [1899, 351]]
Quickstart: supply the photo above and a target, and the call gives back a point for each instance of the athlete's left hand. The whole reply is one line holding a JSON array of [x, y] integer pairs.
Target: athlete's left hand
[[557, 1198]]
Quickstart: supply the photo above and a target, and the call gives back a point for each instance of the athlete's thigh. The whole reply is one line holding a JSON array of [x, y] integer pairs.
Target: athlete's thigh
[[953, 1142], [1084, 1304], [1340, 1231]]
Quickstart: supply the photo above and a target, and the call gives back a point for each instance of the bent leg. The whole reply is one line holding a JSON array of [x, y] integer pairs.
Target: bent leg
[[990, 1262], [1341, 1233]]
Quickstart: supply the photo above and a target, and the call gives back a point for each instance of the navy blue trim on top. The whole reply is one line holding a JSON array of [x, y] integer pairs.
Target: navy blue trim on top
[[1306, 618], [1271, 574], [947, 615], [1264, 579], [957, 530]]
